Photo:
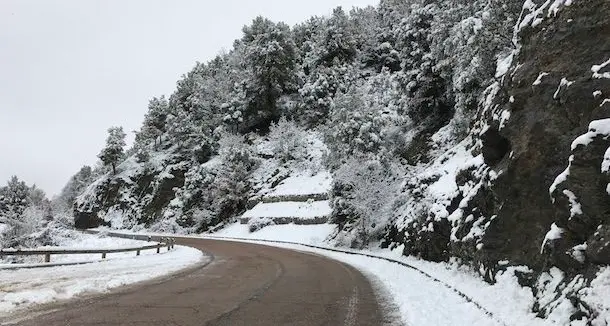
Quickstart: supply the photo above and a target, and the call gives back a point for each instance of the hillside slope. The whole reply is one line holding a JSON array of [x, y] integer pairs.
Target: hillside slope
[[474, 131]]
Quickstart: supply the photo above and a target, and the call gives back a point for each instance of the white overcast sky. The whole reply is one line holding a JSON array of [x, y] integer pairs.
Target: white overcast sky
[[69, 69]]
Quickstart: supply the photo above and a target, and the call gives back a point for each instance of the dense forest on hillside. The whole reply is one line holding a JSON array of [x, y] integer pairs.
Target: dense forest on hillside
[[377, 83]]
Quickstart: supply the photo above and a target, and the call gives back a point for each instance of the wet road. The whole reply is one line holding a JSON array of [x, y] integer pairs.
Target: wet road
[[244, 284]]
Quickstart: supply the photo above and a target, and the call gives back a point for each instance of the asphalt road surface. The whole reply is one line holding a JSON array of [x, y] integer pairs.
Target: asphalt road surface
[[244, 284]]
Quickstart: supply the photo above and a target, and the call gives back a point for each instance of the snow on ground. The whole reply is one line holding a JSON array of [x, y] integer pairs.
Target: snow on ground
[[83, 241], [302, 210], [304, 184], [307, 234], [27, 287]]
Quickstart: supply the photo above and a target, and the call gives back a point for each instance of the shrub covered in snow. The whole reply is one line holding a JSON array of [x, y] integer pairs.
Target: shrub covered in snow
[[288, 141], [363, 196], [257, 223]]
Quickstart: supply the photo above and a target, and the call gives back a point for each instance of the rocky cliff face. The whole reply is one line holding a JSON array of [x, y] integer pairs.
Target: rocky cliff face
[[529, 186], [496, 196], [551, 95]]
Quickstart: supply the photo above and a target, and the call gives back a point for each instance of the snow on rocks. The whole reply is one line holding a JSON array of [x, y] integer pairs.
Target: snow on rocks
[[538, 80], [553, 234], [533, 15], [29, 287], [561, 178], [596, 128], [563, 85], [575, 207], [595, 69], [606, 161]]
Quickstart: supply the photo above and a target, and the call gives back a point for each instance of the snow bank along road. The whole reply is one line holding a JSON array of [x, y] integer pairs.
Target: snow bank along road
[[244, 284]]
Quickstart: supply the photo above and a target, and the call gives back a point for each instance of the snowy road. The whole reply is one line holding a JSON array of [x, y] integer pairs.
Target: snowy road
[[245, 284]]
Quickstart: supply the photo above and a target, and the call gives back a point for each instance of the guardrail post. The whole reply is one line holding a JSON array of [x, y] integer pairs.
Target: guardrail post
[[137, 252], [158, 248], [103, 255], [47, 258]]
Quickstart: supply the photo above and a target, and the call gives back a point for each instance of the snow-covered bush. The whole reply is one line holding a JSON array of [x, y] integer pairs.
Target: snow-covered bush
[[363, 195], [257, 223], [288, 141], [24, 231], [360, 124], [231, 186]]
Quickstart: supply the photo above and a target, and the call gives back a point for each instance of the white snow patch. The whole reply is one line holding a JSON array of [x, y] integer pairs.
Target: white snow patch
[[304, 210], [561, 178], [503, 64], [597, 294], [306, 234], [578, 252], [538, 80], [596, 128], [606, 161], [554, 233], [303, 184], [597, 93], [596, 68], [504, 117], [575, 207], [563, 84]]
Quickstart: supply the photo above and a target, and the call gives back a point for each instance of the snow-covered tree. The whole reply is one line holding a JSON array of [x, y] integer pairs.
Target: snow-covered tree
[[288, 140], [113, 153], [336, 42], [231, 186], [269, 56], [363, 194], [155, 122], [14, 198]]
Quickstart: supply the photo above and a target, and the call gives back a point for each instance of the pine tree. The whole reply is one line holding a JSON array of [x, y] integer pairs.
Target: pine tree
[[14, 198], [113, 153], [270, 58], [155, 121]]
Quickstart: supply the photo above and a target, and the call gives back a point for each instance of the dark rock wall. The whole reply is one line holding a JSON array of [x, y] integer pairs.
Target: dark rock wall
[[539, 133]]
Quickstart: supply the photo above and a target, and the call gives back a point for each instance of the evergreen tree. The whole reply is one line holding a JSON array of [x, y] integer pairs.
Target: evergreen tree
[[155, 122], [14, 198], [113, 153], [269, 55]]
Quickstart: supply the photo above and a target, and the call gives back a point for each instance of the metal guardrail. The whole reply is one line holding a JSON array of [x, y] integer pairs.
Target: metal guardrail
[[164, 242]]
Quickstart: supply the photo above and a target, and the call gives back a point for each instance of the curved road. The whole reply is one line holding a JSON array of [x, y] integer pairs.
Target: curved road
[[244, 284]]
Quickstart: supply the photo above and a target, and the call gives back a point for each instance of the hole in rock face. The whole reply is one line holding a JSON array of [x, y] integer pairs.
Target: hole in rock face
[[495, 147]]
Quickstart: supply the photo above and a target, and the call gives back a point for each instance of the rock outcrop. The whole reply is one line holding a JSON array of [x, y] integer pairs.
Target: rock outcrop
[[549, 95]]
